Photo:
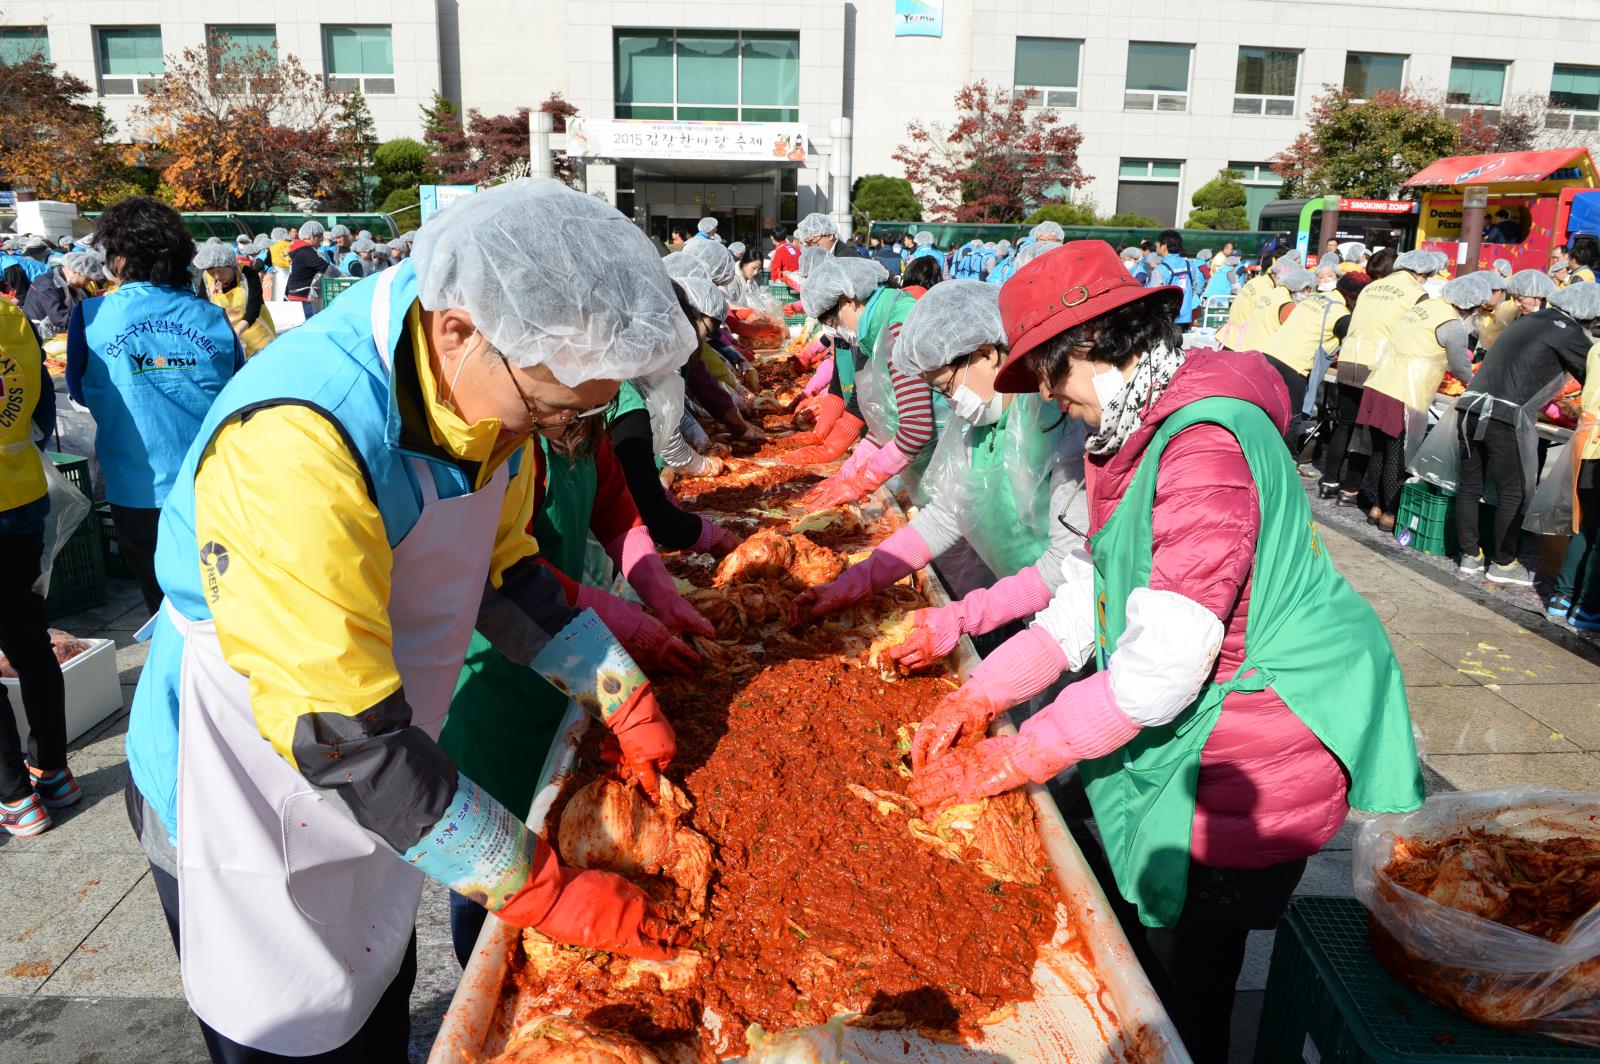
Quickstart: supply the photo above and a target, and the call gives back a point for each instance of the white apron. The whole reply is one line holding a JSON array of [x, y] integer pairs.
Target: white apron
[[293, 919]]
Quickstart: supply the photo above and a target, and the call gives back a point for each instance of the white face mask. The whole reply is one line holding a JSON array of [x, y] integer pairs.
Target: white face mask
[[1107, 385], [845, 336], [1327, 286], [974, 411]]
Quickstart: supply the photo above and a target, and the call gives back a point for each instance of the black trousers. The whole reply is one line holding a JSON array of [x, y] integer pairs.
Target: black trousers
[[136, 535], [381, 1040], [1295, 382], [1347, 402], [1496, 460], [25, 640], [1386, 471]]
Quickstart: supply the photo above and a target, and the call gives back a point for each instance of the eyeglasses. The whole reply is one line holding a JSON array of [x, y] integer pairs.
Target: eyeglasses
[[556, 418]]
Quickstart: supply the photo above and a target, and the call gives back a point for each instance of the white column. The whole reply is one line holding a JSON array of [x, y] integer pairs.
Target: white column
[[839, 167], [540, 125]]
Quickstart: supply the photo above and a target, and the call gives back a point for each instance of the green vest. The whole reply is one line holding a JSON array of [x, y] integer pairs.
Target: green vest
[[1310, 638], [873, 318]]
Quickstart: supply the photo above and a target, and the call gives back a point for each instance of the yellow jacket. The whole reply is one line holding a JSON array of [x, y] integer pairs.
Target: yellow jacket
[[1244, 300], [1263, 320], [1589, 400], [1490, 326], [1414, 361], [1309, 326], [22, 384], [278, 254], [1377, 311]]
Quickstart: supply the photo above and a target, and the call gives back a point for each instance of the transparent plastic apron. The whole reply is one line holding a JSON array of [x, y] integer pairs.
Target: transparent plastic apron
[[293, 920], [1527, 425]]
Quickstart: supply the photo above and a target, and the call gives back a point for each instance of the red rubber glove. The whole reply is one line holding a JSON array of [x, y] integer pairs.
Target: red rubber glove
[[934, 634], [845, 432], [791, 309], [850, 484], [599, 910], [647, 641], [968, 774], [824, 412], [645, 738]]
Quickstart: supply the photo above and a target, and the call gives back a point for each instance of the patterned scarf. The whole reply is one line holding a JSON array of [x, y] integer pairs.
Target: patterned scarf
[[1121, 418]]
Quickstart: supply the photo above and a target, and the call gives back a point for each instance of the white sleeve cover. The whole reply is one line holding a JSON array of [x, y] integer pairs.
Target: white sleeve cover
[[1069, 619], [1070, 502], [1165, 655]]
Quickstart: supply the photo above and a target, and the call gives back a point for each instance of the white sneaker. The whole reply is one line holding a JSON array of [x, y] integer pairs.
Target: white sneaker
[[1473, 565], [1515, 573]]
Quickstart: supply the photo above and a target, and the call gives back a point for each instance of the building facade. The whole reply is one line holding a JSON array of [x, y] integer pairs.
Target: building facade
[[1166, 93]]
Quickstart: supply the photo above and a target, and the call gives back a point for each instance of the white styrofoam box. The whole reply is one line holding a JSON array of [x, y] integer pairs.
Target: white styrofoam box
[[286, 314], [94, 691]]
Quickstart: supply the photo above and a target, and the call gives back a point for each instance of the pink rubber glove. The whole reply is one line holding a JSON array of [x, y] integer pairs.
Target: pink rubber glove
[[937, 631], [1084, 722], [864, 450], [645, 639], [820, 379], [1020, 668], [714, 539], [635, 554], [845, 487], [901, 554], [816, 351]]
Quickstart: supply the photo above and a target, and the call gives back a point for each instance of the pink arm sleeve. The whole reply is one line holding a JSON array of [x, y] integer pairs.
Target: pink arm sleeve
[[821, 378], [1083, 722]]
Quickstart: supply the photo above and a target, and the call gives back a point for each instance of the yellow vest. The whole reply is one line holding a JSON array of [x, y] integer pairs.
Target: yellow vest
[[1589, 400], [1413, 363], [1263, 322], [278, 254], [1581, 274], [1310, 325], [1490, 326], [1244, 300], [259, 335], [1378, 309], [21, 378]]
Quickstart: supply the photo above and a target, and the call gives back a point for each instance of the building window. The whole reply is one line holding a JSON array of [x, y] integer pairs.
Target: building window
[[235, 39], [1158, 77], [359, 57], [1366, 73], [707, 75], [128, 58], [21, 43], [1150, 187], [1264, 82], [1049, 67], [240, 46], [1574, 98], [788, 197], [1261, 186]]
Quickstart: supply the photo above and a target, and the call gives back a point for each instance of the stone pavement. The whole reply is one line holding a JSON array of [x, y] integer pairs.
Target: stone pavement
[[87, 972]]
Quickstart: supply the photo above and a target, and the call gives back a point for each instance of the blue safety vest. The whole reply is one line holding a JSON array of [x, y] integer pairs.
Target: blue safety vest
[[1002, 270], [969, 263], [153, 361], [30, 266], [1179, 271]]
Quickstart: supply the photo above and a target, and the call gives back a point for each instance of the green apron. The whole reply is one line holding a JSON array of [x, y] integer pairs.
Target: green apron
[[504, 716], [1311, 638], [871, 322], [875, 392]]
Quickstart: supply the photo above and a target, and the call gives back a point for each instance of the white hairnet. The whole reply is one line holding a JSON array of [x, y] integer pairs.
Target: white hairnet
[[1581, 300], [678, 265], [381, 249], [1330, 256], [1496, 279], [554, 278], [1419, 261], [841, 278], [311, 229], [951, 321], [704, 296], [339, 230], [1298, 280], [1535, 284], [736, 249], [243, 240], [1287, 264], [263, 242], [714, 257], [815, 225], [707, 225], [88, 263], [810, 259], [923, 239], [1129, 254], [1205, 255], [1468, 290], [280, 233], [363, 244], [212, 256], [1048, 231], [1034, 250], [365, 234], [1502, 267], [1351, 250]]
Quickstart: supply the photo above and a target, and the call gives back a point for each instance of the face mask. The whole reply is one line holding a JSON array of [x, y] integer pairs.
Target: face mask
[[974, 411], [1107, 385], [1327, 286], [845, 336]]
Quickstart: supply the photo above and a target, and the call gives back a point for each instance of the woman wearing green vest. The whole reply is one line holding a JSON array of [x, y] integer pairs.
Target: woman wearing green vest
[[1220, 743], [1430, 337]]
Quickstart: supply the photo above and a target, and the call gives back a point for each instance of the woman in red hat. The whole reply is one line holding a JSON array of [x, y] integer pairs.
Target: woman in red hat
[[1220, 744]]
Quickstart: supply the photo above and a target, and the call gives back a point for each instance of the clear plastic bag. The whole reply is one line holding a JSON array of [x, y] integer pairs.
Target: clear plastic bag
[[1549, 510], [1485, 970], [68, 508], [1438, 459]]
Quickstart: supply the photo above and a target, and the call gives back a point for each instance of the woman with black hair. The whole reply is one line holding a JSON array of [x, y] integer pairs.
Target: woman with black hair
[[147, 360], [921, 273]]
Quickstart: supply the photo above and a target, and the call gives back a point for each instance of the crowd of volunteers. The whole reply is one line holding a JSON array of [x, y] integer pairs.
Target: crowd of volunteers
[[365, 540]]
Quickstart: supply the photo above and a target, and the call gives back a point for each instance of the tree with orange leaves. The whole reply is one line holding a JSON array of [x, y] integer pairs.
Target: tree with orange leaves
[[53, 140], [237, 128]]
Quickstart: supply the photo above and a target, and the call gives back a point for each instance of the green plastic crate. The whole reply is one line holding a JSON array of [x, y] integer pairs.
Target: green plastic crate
[[1427, 519], [1329, 1001], [332, 286], [76, 469], [110, 550], [78, 580]]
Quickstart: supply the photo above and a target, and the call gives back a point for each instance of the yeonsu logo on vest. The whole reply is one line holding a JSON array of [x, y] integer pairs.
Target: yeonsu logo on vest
[[126, 344]]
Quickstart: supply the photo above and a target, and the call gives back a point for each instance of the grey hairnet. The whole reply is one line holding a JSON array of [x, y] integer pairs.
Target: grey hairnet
[[311, 229], [280, 233], [1535, 284], [212, 256], [209, 240], [1502, 267], [815, 225], [1048, 231], [1330, 256], [88, 263], [381, 249], [736, 249], [1129, 254], [714, 257], [850, 278], [707, 225], [1496, 279], [923, 239], [1581, 300], [1004, 245], [263, 242], [1034, 250], [679, 265], [1419, 261], [554, 278], [704, 296], [363, 244], [1468, 290], [810, 259], [1298, 280], [1352, 250], [1287, 264], [365, 234], [952, 320], [339, 230], [1205, 255]]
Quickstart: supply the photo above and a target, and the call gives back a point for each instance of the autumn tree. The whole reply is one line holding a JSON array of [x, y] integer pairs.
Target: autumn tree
[[998, 160], [237, 128], [493, 148], [446, 140], [53, 138], [1354, 147], [1518, 125]]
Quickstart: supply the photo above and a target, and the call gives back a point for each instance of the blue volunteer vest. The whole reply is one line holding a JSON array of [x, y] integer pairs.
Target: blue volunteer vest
[[157, 357], [30, 266]]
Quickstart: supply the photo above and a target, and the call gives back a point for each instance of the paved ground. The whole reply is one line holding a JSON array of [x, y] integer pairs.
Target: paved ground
[[87, 972]]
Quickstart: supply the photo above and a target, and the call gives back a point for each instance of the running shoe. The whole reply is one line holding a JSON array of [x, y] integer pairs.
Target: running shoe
[[25, 817], [1515, 574], [56, 789], [1472, 565], [1557, 609], [1583, 620]]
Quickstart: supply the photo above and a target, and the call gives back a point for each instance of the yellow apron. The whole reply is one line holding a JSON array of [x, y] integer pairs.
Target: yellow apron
[[22, 379], [1376, 313], [1309, 327], [1231, 335], [258, 335], [1413, 363], [1263, 323]]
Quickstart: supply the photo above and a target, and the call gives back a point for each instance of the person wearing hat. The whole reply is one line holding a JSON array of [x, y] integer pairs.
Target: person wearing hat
[[353, 508], [1497, 424], [359, 262], [336, 246], [24, 263], [1487, 325], [1242, 309], [50, 299], [816, 230], [1429, 339], [706, 229], [1576, 597], [1381, 306], [1003, 458], [1316, 322], [709, 374], [1529, 291], [966, 262], [1273, 302], [306, 266], [237, 290], [147, 360], [278, 260], [1215, 765]]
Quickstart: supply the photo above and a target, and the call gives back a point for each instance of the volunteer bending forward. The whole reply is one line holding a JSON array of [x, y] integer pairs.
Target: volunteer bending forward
[[353, 507], [1219, 741]]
